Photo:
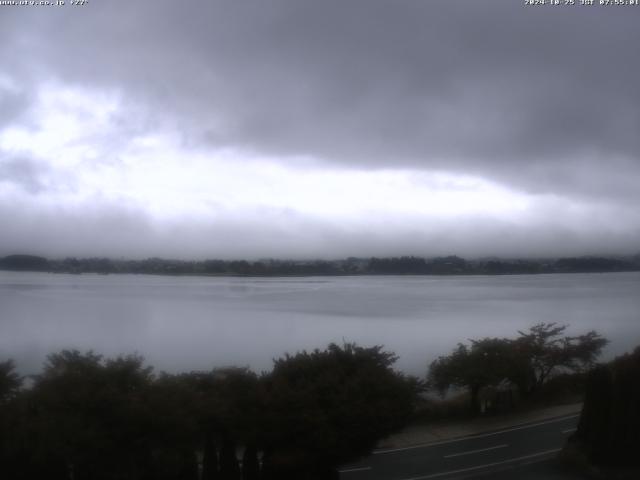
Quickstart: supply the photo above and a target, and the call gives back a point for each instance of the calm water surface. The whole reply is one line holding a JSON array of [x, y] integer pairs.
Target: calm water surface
[[184, 323]]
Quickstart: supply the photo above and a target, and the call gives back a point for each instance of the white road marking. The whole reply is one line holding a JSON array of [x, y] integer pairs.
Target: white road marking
[[569, 430], [486, 465], [357, 469], [470, 437], [475, 451]]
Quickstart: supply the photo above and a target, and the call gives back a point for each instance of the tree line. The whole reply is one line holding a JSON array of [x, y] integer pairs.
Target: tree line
[[406, 265], [87, 417], [525, 363]]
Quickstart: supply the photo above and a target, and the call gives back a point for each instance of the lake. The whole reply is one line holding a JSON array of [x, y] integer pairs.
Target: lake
[[185, 323]]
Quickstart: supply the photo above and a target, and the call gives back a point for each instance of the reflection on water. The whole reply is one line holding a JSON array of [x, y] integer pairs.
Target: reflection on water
[[183, 323]]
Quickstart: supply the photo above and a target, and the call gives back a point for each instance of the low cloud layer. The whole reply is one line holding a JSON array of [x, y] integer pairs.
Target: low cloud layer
[[319, 129]]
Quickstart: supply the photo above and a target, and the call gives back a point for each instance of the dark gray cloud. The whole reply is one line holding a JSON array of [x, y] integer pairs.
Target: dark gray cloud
[[544, 100], [424, 79], [484, 86]]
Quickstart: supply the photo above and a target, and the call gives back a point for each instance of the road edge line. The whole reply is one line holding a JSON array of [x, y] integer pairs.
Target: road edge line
[[471, 452], [520, 426], [486, 465]]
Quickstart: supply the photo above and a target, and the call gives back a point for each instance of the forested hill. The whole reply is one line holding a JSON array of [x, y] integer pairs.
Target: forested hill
[[451, 265]]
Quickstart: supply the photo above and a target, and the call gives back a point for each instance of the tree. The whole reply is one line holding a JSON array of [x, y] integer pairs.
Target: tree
[[485, 362], [210, 412], [543, 351], [250, 464], [527, 362], [24, 263], [91, 415], [10, 381], [93, 418], [229, 466], [609, 429], [328, 407], [174, 409]]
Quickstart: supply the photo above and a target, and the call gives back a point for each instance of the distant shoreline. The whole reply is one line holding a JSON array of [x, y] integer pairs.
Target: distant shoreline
[[352, 266]]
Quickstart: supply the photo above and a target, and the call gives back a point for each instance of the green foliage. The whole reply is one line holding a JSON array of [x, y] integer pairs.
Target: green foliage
[[327, 407], [609, 428], [543, 350], [91, 413], [250, 464], [485, 362], [229, 466], [528, 361], [10, 381], [93, 418]]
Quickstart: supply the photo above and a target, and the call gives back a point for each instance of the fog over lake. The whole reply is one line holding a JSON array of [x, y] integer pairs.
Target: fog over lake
[[185, 323]]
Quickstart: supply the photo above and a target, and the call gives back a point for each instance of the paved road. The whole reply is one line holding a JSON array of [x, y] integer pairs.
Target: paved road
[[469, 456]]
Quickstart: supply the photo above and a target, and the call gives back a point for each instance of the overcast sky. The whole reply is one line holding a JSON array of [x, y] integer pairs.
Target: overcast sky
[[319, 129]]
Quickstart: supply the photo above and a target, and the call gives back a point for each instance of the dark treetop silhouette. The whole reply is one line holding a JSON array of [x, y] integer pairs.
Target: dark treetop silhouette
[[527, 361], [87, 417]]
